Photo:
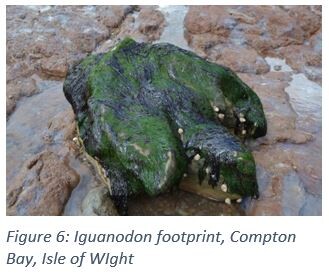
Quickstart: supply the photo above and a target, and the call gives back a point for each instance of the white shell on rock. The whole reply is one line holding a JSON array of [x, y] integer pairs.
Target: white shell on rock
[[197, 157], [223, 187], [228, 201]]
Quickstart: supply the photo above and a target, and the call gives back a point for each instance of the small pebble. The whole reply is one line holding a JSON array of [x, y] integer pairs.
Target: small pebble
[[223, 187], [216, 109], [228, 201], [244, 132], [197, 157], [277, 67], [242, 120], [239, 200], [221, 116]]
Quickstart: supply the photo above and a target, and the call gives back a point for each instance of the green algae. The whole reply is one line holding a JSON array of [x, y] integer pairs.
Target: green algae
[[131, 103]]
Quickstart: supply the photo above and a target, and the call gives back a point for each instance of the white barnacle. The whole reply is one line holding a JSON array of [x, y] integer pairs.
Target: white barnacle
[[242, 119], [239, 200], [221, 116], [223, 187], [197, 157], [216, 109], [244, 132], [180, 131], [228, 201]]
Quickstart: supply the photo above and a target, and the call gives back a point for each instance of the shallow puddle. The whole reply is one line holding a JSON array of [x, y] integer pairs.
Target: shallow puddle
[[28, 123], [174, 30], [28, 135]]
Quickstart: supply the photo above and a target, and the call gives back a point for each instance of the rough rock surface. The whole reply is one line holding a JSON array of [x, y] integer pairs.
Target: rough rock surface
[[18, 88], [263, 28], [42, 41], [49, 171], [288, 39], [43, 187], [142, 111], [47, 39], [288, 157], [306, 58], [98, 203], [289, 182], [248, 33], [146, 25]]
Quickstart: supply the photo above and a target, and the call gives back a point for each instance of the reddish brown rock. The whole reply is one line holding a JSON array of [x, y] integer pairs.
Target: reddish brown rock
[[18, 88], [43, 187], [39, 174], [280, 116], [54, 67], [46, 39], [308, 17], [145, 26], [240, 59], [263, 28], [288, 157], [50, 162], [151, 23], [210, 19], [112, 16], [306, 58]]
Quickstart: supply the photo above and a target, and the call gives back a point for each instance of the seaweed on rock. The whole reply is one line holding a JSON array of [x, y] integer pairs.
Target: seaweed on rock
[[146, 111]]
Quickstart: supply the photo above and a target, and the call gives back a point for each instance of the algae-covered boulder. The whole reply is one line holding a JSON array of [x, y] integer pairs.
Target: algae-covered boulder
[[146, 111]]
